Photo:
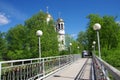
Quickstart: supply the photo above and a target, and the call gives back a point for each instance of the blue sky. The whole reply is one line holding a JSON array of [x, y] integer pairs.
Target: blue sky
[[73, 12]]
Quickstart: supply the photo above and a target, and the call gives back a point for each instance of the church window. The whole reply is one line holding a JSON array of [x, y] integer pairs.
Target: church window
[[58, 26], [61, 26]]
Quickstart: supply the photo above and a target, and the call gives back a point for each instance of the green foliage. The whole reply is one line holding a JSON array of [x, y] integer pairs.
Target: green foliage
[[3, 48], [108, 33], [112, 57], [74, 48], [64, 52], [109, 37], [16, 42], [68, 39], [82, 40], [22, 41], [49, 42]]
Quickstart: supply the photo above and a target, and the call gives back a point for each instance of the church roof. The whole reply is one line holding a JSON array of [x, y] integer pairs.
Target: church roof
[[60, 20], [49, 16]]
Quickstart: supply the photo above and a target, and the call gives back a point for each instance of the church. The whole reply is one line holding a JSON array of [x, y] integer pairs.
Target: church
[[60, 29]]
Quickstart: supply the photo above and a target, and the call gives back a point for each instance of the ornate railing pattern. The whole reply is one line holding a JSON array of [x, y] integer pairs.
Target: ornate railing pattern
[[31, 69], [103, 70]]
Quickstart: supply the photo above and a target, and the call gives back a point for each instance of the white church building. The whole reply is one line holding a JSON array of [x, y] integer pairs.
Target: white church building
[[60, 28]]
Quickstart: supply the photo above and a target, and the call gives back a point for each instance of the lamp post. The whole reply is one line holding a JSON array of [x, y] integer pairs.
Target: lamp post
[[39, 33], [70, 47], [97, 27], [78, 49], [94, 45]]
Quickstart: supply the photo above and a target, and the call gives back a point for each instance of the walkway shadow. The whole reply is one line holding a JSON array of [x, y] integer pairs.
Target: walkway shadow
[[64, 76]]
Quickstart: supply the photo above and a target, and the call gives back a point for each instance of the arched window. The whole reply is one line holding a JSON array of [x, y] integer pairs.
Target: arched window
[[61, 26]]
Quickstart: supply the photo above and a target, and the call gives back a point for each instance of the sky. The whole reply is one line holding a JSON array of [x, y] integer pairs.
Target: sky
[[73, 12]]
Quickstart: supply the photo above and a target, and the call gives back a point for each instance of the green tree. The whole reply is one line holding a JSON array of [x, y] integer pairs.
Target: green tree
[[91, 34], [3, 48], [23, 42], [110, 30], [109, 37], [16, 42], [74, 47], [69, 39], [83, 40], [49, 41], [108, 33]]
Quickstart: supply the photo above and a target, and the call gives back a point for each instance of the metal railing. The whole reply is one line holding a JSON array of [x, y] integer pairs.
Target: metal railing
[[103, 70], [31, 69]]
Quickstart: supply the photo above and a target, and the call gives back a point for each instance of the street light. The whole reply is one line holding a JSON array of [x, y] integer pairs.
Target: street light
[[39, 33], [97, 27], [70, 47], [94, 42], [78, 49], [94, 45]]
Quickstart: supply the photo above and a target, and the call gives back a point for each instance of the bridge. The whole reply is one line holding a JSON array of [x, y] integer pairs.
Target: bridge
[[66, 67]]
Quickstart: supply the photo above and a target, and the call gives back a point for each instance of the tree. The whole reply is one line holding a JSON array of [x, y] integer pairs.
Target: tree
[[3, 48], [16, 41], [69, 39], [108, 33], [91, 34], [23, 42], [83, 40], [110, 30], [109, 37], [49, 41]]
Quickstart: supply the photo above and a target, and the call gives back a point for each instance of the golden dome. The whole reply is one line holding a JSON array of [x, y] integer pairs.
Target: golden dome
[[60, 20], [49, 16]]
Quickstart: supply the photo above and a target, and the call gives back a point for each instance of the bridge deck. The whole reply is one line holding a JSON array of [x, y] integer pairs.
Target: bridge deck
[[70, 72]]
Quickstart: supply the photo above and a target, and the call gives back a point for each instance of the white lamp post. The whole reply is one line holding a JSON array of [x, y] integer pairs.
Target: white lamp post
[[94, 45], [78, 49], [70, 47], [94, 42], [39, 33], [97, 27]]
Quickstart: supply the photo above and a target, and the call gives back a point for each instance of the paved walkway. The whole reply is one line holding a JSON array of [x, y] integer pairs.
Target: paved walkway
[[69, 72]]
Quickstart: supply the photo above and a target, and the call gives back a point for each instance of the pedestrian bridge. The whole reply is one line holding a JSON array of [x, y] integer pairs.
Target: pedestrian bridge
[[67, 67]]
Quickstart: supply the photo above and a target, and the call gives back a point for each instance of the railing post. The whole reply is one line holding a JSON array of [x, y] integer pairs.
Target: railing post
[[104, 70], [59, 61], [43, 67], [68, 59], [72, 58]]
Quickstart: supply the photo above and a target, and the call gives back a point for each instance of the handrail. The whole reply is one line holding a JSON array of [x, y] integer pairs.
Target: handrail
[[29, 69], [29, 59], [112, 70]]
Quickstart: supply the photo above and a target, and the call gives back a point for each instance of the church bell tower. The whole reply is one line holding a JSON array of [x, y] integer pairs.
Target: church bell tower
[[61, 33]]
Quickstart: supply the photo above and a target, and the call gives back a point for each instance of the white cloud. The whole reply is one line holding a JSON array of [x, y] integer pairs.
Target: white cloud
[[3, 19], [12, 11]]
